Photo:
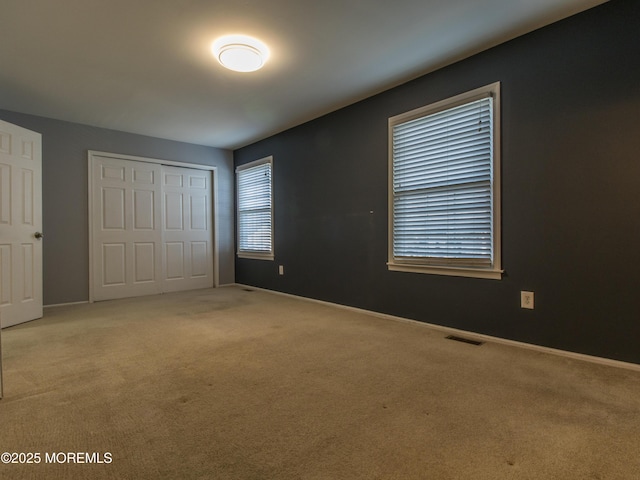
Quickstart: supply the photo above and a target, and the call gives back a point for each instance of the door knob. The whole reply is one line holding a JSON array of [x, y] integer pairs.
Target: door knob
[[38, 235]]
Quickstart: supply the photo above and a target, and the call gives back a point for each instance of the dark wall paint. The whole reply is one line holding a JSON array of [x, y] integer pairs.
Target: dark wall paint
[[570, 201], [65, 190]]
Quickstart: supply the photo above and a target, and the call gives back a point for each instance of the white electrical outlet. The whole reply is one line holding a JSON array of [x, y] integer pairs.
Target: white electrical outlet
[[281, 269], [526, 300]]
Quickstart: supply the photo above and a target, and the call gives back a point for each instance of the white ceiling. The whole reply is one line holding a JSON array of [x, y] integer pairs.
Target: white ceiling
[[144, 66]]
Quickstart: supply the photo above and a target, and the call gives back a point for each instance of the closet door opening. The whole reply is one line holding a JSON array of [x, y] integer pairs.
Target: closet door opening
[[150, 227]]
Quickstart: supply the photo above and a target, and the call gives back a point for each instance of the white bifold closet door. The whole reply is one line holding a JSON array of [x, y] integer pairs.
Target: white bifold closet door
[[151, 228], [186, 244]]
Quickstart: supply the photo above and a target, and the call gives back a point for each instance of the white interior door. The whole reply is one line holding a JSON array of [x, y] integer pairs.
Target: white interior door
[[126, 228], [187, 239], [151, 228], [20, 224]]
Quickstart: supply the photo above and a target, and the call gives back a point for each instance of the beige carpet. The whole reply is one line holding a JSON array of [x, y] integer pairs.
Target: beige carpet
[[232, 384]]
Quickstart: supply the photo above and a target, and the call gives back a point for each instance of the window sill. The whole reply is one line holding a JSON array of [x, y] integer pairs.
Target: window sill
[[255, 256], [450, 271]]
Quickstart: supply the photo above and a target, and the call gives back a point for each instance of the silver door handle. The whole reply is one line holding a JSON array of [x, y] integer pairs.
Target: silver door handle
[[38, 235]]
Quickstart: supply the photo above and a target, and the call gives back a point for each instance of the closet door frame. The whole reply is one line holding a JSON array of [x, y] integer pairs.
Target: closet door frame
[[92, 162]]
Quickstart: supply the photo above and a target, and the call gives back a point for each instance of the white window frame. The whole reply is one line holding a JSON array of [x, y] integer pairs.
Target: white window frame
[[259, 255], [439, 266]]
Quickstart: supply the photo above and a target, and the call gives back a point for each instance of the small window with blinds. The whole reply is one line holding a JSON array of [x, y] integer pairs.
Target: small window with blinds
[[444, 187], [255, 209]]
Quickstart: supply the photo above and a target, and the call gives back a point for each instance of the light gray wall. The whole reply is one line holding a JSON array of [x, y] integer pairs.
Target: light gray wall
[[65, 191]]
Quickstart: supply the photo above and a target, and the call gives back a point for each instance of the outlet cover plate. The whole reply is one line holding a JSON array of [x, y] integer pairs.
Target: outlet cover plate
[[526, 300]]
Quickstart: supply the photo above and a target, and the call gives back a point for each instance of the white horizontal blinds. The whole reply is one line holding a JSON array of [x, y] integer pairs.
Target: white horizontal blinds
[[254, 209], [442, 174]]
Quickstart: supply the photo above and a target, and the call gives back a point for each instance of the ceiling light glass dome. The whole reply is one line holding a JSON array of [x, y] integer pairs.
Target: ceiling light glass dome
[[240, 53]]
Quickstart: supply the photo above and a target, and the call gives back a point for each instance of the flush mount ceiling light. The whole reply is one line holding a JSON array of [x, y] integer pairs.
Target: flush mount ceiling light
[[240, 53]]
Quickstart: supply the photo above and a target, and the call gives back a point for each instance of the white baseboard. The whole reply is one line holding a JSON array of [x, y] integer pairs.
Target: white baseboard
[[65, 304], [471, 335]]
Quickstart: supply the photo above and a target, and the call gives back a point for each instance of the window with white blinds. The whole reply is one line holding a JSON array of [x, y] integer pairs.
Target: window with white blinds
[[255, 209], [444, 187]]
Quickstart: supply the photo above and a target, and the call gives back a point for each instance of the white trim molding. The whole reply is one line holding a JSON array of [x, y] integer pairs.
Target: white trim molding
[[69, 304]]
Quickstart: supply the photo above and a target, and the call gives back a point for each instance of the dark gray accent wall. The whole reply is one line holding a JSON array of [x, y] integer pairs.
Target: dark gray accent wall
[[65, 149], [570, 194]]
